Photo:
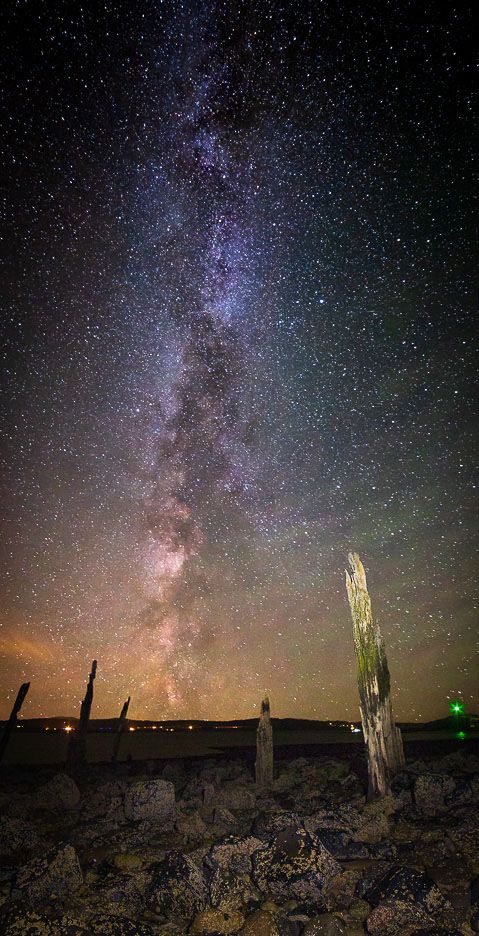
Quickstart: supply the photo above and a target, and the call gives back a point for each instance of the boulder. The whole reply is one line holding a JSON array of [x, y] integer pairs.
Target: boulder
[[60, 793], [234, 853], [222, 922], [191, 827], [223, 820], [17, 838], [153, 800], [178, 889], [395, 917], [235, 797], [430, 791], [261, 923], [406, 885], [54, 875], [326, 924], [294, 866]]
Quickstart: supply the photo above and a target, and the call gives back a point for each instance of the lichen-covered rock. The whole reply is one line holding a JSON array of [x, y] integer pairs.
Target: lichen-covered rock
[[231, 890], [191, 827], [17, 838], [178, 889], [235, 797], [394, 917], [30, 923], [60, 793], [15, 922], [326, 924], [465, 838], [234, 852], [430, 791], [294, 866], [223, 820], [222, 922], [261, 923], [153, 800], [267, 824], [400, 883], [54, 875]]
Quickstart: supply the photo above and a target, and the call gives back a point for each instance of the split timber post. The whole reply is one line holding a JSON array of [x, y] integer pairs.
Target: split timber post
[[12, 721], [120, 726], [383, 740], [264, 749], [77, 747]]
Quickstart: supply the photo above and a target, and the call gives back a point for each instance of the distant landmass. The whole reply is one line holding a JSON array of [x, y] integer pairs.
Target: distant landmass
[[65, 723]]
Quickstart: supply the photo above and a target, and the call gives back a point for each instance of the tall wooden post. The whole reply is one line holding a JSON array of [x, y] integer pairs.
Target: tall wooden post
[[119, 731], [12, 721], [264, 749], [383, 740], [77, 747]]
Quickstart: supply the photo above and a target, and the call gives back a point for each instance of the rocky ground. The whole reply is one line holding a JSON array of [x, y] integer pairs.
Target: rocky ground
[[188, 847]]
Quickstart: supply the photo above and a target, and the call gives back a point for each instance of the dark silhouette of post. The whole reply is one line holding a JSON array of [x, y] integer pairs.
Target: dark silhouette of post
[[77, 747], [383, 740], [264, 749], [120, 726], [12, 721]]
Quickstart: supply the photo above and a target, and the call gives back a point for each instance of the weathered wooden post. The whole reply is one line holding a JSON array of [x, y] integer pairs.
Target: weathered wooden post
[[383, 740], [77, 747], [120, 725], [12, 721], [264, 749]]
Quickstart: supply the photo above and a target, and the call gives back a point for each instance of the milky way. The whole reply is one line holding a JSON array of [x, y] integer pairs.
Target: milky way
[[238, 340]]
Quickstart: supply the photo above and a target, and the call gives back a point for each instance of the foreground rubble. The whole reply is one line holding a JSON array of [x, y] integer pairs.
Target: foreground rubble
[[188, 847]]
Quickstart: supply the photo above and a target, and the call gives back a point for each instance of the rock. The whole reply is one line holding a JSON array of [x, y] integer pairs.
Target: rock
[[229, 864], [54, 875], [233, 891], [191, 827], [234, 853], [327, 924], [17, 838], [60, 793], [461, 795], [373, 823], [358, 910], [267, 824], [294, 865], [393, 917], [475, 922], [261, 923], [465, 838], [106, 925], [152, 800], [430, 791], [106, 802], [400, 883], [235, 797], [340, 845], [178, 889], [223, 820], [29, 923], [125, 894], [211, 922]]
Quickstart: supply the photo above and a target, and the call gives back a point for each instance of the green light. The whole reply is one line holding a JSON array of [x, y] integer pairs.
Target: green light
[[457, 707], [461, 735]]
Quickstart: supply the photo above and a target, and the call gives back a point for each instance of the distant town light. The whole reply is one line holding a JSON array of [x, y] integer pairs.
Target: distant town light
[[68, 728], [190, 727]]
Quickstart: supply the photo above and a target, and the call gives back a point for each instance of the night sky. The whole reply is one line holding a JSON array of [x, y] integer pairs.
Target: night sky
[[238, 304]]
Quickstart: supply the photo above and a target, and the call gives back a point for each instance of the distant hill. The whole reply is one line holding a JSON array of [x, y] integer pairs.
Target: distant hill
[[62, 723]]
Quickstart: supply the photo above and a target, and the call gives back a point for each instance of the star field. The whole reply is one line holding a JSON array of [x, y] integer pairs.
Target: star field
[[238, 342]]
